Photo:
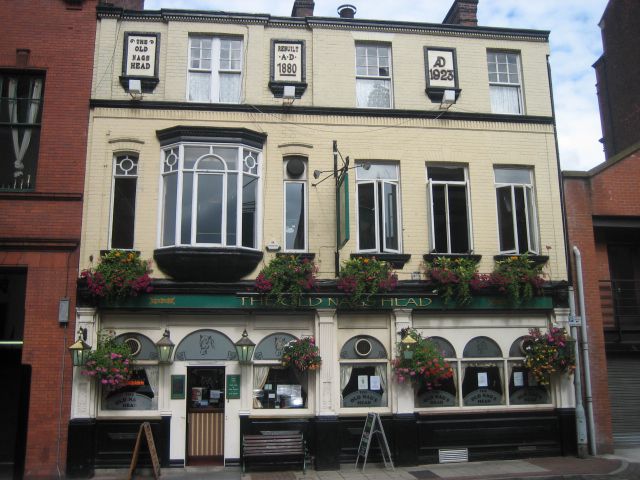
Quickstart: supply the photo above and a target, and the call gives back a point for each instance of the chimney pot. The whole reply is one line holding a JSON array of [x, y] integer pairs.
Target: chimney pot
[[347, 11]]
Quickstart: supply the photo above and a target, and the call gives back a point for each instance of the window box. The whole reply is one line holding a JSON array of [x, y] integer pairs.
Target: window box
[[397, 260]]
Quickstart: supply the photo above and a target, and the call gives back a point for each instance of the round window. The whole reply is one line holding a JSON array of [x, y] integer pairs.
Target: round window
[[363, 347], [133, 344]]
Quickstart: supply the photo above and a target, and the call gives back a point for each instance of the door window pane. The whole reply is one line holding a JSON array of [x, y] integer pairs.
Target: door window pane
[[124, 212], [505, 219], [294, 216], [366, 216], [458, 219]]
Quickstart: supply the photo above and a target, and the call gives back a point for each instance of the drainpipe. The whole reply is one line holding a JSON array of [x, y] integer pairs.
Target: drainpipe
[[581, 422], [585, 351]]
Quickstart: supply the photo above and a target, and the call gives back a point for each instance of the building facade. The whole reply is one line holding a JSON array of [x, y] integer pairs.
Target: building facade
[[212, 135], [602, 222]]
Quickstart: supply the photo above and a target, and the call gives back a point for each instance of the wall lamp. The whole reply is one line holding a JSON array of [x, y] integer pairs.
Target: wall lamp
[[80, 350], [165, 347], [244, 349]]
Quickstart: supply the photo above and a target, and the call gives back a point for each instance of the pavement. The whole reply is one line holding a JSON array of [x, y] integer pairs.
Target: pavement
[[624, 464]]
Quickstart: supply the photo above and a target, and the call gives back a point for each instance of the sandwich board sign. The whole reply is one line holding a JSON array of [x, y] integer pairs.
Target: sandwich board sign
[[373, 428]]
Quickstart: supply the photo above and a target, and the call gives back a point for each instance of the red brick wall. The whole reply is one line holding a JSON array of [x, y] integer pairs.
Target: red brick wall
[[60, 36], [613, 191]]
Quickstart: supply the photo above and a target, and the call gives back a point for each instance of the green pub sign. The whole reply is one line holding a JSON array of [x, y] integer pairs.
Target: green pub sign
[[233, 387]]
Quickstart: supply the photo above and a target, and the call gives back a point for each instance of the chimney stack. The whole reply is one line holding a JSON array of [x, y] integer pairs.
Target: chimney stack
[[302, 8], [463, 12], [347, 11], [125, 4]]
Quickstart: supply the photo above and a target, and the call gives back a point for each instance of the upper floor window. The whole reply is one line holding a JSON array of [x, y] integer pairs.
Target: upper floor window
[[517, 221], [450, 216], [20, 116], [373, 75], [378, 191], [210, 195], [295, 204], [215, 69], [123, 208], [505, 84]]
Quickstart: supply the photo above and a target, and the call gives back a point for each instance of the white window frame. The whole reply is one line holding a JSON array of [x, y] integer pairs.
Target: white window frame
[[506, 83], [239, 186], [532, 225], [215, 69], [465, 184], [114, 176], [305, 208], [367, 76], [378, 184]]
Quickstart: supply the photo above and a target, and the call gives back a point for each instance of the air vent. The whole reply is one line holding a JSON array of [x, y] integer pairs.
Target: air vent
[[453, 456]]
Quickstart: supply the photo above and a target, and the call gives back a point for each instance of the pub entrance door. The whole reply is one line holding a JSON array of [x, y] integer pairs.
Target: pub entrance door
[[205, 415]]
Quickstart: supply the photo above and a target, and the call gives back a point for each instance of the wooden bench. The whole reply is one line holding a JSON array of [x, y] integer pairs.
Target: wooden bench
[[274, 449]]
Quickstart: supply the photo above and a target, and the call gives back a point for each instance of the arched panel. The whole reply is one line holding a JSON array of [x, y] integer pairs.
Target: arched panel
[[206, 345], [444, 346], [481, 347], [516, 348], [140, 345], [362, 347], [270, 348]]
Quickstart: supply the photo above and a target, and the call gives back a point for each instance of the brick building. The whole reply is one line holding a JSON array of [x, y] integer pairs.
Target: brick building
[[219, 141], [46, 61], [603, 221]]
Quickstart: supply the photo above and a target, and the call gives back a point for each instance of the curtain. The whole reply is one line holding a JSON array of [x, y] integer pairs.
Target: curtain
[[199, 86], [505, 99], [20, 147], [345, 376], [373, 93], [381, 371], [230, 87], [260, 375]]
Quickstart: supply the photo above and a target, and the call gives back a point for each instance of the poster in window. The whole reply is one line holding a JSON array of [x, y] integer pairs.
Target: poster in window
[[518, 379], [374, 380], [483, 380], [363, 382]]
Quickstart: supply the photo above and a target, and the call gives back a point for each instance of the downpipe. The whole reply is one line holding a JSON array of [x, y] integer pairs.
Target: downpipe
[[584, 340], [581, 421]]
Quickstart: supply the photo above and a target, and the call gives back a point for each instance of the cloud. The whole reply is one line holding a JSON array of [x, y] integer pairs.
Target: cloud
[[575, 45]]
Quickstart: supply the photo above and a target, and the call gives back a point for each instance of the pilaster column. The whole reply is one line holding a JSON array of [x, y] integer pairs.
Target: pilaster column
[[402, 392], [83, 393], [327, 343]]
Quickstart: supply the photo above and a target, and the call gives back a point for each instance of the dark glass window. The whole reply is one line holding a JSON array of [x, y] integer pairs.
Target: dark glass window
[[517, 223], [295, 215], [279, 387], [20, 116], [123, 215]]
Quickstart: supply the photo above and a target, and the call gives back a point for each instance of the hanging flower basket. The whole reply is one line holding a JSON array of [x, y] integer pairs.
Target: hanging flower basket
[[362, 277], [302, 354], [119, 274], [547, 353], [287, 276], [420, 361], [110, 362]]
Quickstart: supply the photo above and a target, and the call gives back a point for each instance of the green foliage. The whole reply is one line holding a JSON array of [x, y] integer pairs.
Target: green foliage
[[453, 278], [287, 276], [362, 277], [110, 362], [302, 354], [119, 274]]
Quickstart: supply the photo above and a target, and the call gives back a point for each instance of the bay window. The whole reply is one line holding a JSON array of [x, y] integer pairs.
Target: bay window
[[373, 75], [215, 69], [449, 208], [210, 195], [517, 219], [378, 196]]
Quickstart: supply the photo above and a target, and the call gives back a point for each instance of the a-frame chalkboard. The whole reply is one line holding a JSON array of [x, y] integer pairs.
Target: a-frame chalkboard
[[373, 428]]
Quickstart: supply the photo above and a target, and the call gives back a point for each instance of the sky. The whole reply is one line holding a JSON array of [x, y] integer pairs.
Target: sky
[[575, 45]]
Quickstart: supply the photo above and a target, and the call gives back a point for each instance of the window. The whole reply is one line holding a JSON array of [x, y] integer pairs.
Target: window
[[123, 210], [295, 204], [279, 387], [517, 222], [450, 219], [373, 76], [446, 393], [363, 373], [378, 207], [215, 69], [209, 195], [139, 393], [504, 82], [20, 116]]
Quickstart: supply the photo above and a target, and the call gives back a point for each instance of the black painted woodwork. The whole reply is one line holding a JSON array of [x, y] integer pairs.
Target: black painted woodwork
[[200, 264]]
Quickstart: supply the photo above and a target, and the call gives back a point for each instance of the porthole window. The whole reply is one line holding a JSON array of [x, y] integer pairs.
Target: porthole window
[[363, 347], [133, 344]]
